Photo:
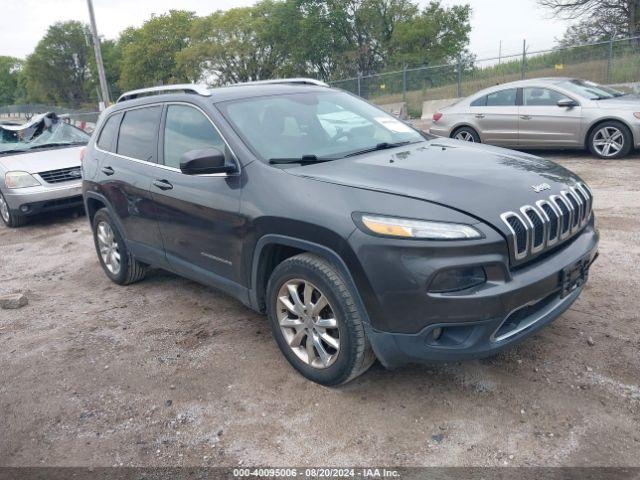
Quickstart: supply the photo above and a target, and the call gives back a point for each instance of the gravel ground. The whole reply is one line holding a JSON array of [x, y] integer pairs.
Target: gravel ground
[[168, 372]]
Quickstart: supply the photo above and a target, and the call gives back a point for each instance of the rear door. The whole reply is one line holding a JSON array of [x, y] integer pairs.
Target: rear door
[[496, 117], [542, 123], [198, 214], [124, 178]]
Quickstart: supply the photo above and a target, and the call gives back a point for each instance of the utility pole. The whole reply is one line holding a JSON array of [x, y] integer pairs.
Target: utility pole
[[500, 53], [96, 48], [523, 67]]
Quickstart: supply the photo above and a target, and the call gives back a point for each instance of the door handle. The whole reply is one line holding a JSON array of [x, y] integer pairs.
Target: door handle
[[479, 115], [163, 184], [525, 117], [108, 171]]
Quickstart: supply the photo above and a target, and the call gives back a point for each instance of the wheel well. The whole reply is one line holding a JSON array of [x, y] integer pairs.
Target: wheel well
[[604, 120], [271, 256], [455, 130], [93, 205]]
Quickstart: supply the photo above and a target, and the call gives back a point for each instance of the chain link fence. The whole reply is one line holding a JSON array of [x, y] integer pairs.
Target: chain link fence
[[611, 62]]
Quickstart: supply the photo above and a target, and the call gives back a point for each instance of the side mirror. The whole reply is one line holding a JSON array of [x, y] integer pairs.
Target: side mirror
[[567, 103], [208, 160]]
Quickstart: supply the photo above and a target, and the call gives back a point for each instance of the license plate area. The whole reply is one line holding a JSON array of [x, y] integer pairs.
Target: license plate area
[[574, 276]]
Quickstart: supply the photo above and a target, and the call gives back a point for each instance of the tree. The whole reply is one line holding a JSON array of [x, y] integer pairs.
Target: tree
[[232, 46], [435, 36], [9, 75], [58, 69], [599, 17], [149, 52]]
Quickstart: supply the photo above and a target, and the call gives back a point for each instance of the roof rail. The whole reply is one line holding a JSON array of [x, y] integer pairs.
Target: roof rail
[[300, 80], [182, 87]]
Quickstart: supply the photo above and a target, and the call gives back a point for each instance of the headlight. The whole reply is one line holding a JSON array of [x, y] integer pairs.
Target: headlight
[[402, 227], [20, 180]]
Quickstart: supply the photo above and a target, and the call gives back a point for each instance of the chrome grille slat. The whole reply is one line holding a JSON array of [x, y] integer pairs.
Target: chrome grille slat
[[534, 228], [61, 175]]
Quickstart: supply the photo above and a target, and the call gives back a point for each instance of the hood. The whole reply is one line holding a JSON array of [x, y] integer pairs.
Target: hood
[[42, 160], [627, 102], [479, 180]]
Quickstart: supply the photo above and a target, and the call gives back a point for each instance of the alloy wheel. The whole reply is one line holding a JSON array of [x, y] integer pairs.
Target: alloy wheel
[[308, 323], [4, 209], [464, 136], [108, 246], [608, 141]]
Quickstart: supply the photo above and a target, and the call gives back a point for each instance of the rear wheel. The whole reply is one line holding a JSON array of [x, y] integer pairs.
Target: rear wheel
[[10, 219], [316, 322], [466, 134], [610, 140], [117, 261]]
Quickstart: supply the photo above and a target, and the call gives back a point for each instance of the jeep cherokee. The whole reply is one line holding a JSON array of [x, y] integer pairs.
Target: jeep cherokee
[[360, 237]]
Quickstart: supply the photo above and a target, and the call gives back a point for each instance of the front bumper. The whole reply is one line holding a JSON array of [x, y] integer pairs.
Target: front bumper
[[473, 323], [34, 200]]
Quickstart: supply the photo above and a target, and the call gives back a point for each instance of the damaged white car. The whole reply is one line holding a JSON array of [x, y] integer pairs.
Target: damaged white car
[[39, 168]]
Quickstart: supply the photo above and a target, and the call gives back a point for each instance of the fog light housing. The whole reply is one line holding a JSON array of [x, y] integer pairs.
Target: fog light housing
[[456, 279]]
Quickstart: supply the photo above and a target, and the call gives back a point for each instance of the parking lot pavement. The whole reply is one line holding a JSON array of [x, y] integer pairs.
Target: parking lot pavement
[[168, 372]]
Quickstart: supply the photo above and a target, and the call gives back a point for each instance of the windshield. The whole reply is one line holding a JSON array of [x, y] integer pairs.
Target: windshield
[[47, 130], [320, 125], [590, 90]]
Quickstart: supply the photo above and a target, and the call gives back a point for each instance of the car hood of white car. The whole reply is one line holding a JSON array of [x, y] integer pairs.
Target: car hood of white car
[[42, 160]]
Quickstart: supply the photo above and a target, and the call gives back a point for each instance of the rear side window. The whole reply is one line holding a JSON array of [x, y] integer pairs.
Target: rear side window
[[138, 136], [502, 98], [109, 132], [480, 102], [186, 128]]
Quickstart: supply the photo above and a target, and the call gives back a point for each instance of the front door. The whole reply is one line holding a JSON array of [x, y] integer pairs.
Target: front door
[[198, 215], [542, 123]]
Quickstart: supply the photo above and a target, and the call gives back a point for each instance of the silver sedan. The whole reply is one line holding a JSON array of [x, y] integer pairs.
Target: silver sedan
[[546, 113]]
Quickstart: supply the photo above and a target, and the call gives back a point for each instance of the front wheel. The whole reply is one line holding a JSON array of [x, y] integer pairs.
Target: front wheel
[[466, 134], [10, 219], [316, 322], [610, 140]]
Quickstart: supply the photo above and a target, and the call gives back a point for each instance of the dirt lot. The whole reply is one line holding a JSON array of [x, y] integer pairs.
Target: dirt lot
[[168, 372]]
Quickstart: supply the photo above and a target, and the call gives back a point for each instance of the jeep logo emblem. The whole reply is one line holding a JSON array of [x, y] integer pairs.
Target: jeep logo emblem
[[541, 188]]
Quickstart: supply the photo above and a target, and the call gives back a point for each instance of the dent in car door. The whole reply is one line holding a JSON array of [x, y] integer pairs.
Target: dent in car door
[[543, 123], [497, 120], [198, 215]]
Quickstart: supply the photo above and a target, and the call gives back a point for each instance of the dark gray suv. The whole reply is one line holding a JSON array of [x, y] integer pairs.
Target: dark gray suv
[[360, 237]]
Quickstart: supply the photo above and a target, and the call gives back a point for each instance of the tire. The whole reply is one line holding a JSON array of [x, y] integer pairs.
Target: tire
[[129, 269], [466, 134], [11, 220], [610, 140], [354, 355]]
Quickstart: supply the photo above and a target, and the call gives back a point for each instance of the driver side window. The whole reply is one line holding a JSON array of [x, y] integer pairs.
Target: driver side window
[[541, 97], [186, 129]]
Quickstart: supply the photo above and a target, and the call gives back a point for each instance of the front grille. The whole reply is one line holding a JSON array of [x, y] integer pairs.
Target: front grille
[[533, 228], [61, 175]]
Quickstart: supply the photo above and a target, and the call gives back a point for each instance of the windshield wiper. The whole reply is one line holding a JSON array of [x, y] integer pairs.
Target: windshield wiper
[[380, 146], [304, 159], [57, 144]]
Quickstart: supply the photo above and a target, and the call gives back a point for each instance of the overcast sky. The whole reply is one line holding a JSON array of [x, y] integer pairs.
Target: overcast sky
[[24, 22]]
